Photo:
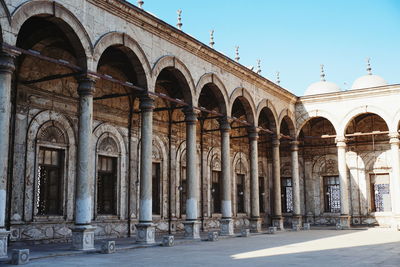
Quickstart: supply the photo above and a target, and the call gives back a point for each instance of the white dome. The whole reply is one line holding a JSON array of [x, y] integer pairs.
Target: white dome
[[368, 81], [322, 87]]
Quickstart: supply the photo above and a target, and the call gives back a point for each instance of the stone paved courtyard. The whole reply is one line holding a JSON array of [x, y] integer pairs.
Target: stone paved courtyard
[[361, 247]]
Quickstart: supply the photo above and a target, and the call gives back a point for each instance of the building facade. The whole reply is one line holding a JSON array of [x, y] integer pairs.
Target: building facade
[[118, 124]]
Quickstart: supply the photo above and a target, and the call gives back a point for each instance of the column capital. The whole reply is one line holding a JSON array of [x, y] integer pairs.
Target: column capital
[[276, 142], [190, 114], [295, 145], [86, 84], [394, 138], [7, 57], [253, 133], [341, 141], [146, 102], [224, 124]]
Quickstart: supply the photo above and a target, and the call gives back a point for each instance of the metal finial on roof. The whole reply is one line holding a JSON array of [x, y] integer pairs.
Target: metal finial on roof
[[322, 73], [179, 24], [278, 80], [212, 39], [369, 69], [258, 66], [237, 53], [140, 3]]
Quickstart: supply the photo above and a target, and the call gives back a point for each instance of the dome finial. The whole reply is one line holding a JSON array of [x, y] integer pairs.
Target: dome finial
[[369, 69], [322, 73]]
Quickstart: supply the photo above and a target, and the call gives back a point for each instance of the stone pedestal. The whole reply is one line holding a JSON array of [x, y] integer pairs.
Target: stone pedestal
[[297, 221], [145, 233], [168, 241], [192, 229], [83, 237], [20, 256], [3, 243], [277, 221], [226, 227], [344, 222], [255, 225]]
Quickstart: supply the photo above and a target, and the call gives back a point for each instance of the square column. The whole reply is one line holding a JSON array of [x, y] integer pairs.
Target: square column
[[83, 232], [145, 228]]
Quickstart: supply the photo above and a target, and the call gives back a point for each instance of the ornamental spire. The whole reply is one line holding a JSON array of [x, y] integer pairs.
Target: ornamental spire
[[278, 80], [212, 39], [369, 69], [179, 24], [259, 66], [140, 3], [322, 73], [237, 53]]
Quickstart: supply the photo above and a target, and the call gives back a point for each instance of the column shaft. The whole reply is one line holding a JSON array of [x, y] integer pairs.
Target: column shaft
[[6, 69], [146, 147], [255, 197], [83, 232], [191, 166], [394, 146], [344, 220], [226, 171], [84, 180], [277, 178], [295, 179]]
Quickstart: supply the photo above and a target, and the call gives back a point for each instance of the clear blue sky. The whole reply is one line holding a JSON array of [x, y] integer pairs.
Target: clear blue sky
[[295, 37]]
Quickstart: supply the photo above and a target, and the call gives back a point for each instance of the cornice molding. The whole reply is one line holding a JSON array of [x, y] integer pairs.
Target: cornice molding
[[156, 26]]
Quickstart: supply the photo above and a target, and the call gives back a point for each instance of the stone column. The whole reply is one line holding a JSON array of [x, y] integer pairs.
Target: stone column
[[192, 225], [255, 220], [145, 228], [83, 231], [7, 68], [297, 218], [226, 220], [394, 145], [277, 219], [344, 220]]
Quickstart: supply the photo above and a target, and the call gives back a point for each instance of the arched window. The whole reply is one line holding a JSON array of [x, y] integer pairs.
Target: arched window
[[216, 188], [107, 176], [51, 147]]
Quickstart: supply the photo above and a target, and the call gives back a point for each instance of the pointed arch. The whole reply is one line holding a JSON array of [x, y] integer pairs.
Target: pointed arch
[[288, 116]]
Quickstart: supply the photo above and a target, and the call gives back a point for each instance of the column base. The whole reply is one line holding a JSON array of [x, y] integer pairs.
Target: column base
[[344, 222], [297, 222], [277, 221], [3, 243], [396, 222], [226, 227], [145, 233], [83, 237], [255, 225], [192, 229]]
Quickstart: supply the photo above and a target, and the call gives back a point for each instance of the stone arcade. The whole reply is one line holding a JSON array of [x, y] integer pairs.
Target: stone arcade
[[117, 124]]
